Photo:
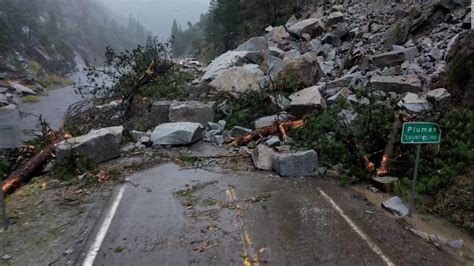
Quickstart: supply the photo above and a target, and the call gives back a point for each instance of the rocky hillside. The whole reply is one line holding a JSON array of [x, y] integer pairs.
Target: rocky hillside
[[395, 48]]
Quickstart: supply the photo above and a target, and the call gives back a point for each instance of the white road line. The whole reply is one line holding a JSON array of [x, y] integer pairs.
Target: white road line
[[94, 250], [366, 238]]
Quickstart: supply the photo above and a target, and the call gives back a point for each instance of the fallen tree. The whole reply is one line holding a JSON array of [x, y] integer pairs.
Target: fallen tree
[[25, 172], [278, 128]]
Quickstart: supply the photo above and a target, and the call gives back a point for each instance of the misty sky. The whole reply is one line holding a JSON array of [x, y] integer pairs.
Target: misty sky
[[158, 15]]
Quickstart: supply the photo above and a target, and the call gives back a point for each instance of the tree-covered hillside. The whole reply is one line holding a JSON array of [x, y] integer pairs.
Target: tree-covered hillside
[[51, 31], [229, 23]]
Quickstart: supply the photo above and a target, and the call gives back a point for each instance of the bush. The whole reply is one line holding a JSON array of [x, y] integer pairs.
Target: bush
[[54, 81], [5, 168], [30, 99], [456, 152], [34, 66]]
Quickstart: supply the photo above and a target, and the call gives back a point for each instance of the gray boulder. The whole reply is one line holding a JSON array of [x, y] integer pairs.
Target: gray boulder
[[393, 58], [395, 205], [239, 79], [21, 89], [439, 98], [415, 103], [262, 157], [307, 100], [99, 146], [180, 133], [228, 60], [191, 111], [398, 84], [3, 100], [298, 164], [311, 26], [334, 18], [270, 120], [159, 112], [255, 44], [239, 131]]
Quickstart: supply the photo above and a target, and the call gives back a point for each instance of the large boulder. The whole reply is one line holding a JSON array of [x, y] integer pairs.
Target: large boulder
[[239, 79], [255, 44], [439, 98], [159, 112], [99, 146], [278, 34], [415, 103], [300, 73], [334, 18], [228, 60], [191, 111], [311, 26], [459, 78], [262, 157], [307, 101], [267, 121], [20, 89], [180, 133], [397, 84], [298, 164], [393, 58]]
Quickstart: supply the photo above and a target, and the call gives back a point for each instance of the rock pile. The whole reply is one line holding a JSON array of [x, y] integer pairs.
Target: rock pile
[[397, 49]]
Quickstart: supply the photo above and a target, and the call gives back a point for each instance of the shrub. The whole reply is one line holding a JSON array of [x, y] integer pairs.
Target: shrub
[[34, 66], [54, 81], [30, 99]]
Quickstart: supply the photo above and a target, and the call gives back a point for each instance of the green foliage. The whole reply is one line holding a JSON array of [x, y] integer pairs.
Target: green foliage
[[30, 99], [5, 167], [456, 152], [338, 141], [54, 81], [461, 70], [246, 107]]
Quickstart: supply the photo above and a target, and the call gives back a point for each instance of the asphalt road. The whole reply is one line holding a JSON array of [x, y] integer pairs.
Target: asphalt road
[[170, 216]]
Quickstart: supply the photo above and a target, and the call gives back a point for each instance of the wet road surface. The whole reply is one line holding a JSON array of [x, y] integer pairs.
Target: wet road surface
[[172, 216]]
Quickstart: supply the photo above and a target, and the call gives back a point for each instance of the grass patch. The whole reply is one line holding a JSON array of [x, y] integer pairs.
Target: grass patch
[[119, 249], [30, 99], [54, 81]]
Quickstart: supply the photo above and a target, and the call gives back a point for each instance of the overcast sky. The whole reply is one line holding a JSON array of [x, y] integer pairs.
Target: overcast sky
[[158, 15]]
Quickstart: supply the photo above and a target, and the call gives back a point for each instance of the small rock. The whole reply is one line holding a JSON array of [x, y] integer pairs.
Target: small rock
[[7, 257], [395, 206], [270, 120], [239, 131], [456, 244], [273, 142]]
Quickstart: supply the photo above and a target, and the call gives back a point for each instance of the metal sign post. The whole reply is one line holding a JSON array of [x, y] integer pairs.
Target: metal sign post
[[419, 133]]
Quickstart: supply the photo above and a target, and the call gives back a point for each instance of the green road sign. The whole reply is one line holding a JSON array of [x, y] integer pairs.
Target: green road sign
[[421, 133]]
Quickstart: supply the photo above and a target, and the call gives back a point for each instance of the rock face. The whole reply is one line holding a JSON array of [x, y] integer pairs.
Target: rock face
[[307, 100], [180, 133], [296, 164], [398, 84], [239, 79], [99, 146], [263, 157], [191, 111]]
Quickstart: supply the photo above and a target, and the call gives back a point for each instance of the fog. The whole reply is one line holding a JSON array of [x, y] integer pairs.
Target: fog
[[157, 15]]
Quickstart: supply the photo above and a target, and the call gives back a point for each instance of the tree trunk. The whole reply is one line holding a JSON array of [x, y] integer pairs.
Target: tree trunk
[[28, 170]]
